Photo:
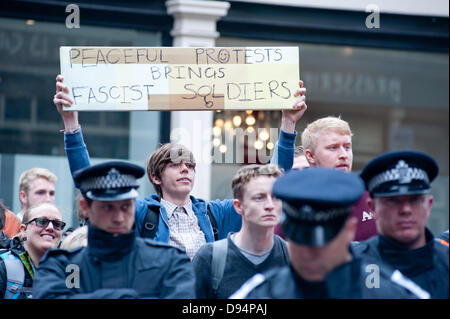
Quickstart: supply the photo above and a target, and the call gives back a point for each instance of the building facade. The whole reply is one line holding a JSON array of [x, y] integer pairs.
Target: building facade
[[382, 68]]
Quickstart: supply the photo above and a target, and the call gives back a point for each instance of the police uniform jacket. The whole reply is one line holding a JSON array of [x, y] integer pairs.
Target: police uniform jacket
[[352, 280], [228, 220], [426, 266], [124, 266]]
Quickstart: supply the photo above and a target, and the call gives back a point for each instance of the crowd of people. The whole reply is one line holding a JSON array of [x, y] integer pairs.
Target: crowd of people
[[303, 226]]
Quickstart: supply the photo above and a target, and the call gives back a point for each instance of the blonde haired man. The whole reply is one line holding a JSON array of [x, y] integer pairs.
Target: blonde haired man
[[328, 143], [36, 185]]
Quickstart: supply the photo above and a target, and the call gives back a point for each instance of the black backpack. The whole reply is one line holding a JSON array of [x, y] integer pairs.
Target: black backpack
[[151, 222]]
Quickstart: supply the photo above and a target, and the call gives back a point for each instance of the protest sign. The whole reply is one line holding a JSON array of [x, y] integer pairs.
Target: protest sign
[[168, 78]]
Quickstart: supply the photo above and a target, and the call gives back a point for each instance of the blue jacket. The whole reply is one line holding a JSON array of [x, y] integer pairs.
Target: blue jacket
[[228, 220], [283, 154], [115, 267]]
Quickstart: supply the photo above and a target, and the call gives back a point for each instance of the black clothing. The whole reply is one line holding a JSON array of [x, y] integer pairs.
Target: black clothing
[[347, 281], [123, 266], [237, 268], [17, 250], [4, 241], [426, 266]]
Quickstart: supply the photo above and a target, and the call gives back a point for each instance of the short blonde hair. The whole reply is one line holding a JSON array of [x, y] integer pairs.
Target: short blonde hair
[[78, 238], [329, 123], [29, 176], [248, 172]]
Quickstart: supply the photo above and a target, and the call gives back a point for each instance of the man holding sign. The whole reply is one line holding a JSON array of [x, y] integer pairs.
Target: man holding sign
[[172, 215], [166, 78]]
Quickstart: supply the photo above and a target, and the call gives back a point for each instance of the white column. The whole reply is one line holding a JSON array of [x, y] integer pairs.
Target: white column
[[195, 26]]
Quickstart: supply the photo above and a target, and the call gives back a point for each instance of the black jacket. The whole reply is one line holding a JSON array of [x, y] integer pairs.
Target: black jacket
[[426, 266], [4, 241], [124, 266], [348, 281], [16, 249]]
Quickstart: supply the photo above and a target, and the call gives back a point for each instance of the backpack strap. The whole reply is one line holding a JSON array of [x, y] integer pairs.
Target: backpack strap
[[15, 276], [151, 223], [219, 257], [213, 222]]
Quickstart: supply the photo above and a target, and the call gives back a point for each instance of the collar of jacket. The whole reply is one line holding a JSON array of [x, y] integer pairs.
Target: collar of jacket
[[17, 249], [16, 246], [155, 200], [411, 262], [107, 247], [198, 206], [5, 241]]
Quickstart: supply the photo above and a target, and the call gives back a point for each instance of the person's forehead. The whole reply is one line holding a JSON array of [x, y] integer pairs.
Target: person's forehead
[[41, 182], [45, 211], [330, 134], [181, 160], [259, 183]]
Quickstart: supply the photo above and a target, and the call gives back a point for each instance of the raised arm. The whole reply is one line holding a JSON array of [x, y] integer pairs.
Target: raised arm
[[283, 154], [76, 150]]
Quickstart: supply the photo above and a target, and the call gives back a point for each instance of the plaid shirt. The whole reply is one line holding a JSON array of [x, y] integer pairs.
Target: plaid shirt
[[184, 231]]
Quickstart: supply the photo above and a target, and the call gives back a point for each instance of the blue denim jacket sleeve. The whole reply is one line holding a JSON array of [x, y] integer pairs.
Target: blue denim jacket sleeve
[[283, 154], [76, 151]]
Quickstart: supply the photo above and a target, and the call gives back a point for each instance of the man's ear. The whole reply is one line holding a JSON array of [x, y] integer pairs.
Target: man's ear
[[237, 206], [84, 207], [155, 179], [430, 200], [310, 157], [22, 198]]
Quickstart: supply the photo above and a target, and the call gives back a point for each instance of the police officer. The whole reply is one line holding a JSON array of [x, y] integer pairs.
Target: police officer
[[399, 186], [316, 206], [116, 263]]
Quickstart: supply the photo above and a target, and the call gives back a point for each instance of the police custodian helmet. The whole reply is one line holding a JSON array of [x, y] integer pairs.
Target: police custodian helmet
[[399, 173], [109, 181], [316, 203]]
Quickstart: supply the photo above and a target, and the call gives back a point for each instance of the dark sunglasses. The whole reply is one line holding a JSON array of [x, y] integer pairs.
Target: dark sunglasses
[[43, 222]]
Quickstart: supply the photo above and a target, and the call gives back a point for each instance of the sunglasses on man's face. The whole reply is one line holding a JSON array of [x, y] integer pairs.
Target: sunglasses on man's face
[[43, 222]]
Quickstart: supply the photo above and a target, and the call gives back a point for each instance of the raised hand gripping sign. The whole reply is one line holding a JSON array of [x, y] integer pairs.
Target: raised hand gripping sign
[[168, 78]]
